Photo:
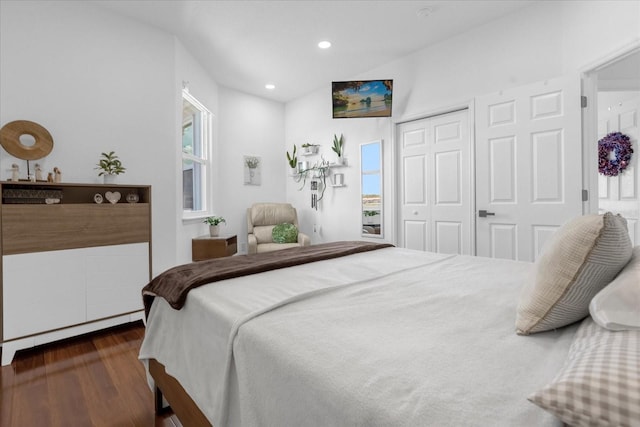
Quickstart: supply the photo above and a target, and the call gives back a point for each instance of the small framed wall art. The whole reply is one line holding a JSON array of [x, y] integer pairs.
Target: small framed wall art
[[252, 170]]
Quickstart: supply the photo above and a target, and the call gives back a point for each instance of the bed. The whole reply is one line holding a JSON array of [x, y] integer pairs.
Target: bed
[[382, 336]]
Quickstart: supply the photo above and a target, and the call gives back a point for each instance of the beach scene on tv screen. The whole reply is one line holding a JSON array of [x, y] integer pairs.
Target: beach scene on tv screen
[[362, 99]]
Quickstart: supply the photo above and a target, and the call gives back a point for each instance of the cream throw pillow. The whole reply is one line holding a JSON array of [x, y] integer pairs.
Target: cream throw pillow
[[583, 257]]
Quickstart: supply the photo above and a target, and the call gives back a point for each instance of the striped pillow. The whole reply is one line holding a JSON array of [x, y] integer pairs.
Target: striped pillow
[[599, 384], [584, 256]]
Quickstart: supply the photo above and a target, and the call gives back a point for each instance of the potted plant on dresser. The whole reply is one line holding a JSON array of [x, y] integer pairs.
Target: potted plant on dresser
[[214, 224], [110, 167]]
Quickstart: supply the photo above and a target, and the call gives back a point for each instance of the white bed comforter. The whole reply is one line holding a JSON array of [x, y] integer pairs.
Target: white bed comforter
[[391, 337]]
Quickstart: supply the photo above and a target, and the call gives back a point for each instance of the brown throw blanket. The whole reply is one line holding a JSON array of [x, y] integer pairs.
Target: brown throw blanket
[[174, 284]]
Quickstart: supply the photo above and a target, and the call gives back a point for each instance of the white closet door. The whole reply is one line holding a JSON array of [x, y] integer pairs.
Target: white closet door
[[528, 167], [435, 162]]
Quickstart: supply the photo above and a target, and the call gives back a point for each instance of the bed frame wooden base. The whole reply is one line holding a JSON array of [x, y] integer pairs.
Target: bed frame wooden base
[[180, 402]]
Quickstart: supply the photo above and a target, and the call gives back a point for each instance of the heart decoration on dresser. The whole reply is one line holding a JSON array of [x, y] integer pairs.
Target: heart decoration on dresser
[[113, 197]]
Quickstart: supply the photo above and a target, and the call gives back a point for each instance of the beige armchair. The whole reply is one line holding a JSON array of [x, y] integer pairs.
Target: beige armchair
[[262, 217]]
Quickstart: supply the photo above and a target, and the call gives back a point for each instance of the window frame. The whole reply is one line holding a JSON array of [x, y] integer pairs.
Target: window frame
[[204, 135]]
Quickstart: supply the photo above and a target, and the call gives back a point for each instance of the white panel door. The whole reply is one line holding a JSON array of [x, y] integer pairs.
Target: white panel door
[[528, 167], [618, 112], [435, 186]]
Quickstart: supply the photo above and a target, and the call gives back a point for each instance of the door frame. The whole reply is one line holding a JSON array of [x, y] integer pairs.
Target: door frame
[[589, 87], [396, 169]]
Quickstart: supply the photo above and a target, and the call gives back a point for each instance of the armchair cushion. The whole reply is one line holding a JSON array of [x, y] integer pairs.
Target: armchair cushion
[[272, 214], [263, 233]]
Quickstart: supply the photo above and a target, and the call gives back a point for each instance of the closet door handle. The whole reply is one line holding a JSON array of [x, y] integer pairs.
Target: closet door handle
[[484, 214]]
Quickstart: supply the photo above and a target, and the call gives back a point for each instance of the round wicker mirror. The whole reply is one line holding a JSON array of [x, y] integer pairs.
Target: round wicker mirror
[[10, 140]]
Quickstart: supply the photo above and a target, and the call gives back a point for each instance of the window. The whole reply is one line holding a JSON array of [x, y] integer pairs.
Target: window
[[196, 149]]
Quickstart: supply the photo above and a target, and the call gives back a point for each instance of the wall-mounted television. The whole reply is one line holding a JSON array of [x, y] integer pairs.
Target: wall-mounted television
[[366, 98]]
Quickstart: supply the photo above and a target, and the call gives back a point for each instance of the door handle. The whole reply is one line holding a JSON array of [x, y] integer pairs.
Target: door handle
[[483, 214]]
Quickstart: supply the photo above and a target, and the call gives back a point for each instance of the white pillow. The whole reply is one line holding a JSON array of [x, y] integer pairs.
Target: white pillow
[[617, 306]]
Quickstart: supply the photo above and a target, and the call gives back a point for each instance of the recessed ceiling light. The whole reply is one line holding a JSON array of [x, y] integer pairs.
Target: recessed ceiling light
[[324, 44], [270, 86]]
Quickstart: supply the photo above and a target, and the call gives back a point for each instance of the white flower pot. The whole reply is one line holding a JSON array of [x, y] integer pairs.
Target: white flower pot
[[109, 178], [214, 230]]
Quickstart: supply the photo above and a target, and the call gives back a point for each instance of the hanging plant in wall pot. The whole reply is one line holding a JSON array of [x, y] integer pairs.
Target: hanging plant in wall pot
[[292, 160], [338, 148]]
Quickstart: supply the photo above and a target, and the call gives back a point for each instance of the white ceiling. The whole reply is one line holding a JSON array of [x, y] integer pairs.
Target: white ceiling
[[246, 44]]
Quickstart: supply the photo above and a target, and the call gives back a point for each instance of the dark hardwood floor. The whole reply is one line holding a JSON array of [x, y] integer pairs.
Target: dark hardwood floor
[[93, 380]]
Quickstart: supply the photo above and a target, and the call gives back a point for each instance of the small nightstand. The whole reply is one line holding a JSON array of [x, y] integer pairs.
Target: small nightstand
[[205, 247]]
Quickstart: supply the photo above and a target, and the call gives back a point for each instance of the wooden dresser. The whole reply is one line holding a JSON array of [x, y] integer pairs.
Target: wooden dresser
[[71, 267]]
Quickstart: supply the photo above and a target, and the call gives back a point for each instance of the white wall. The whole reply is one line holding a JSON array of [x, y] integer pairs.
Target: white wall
[[250, 126], [545, 40], [308, 120], [97, 82], [595, 29]]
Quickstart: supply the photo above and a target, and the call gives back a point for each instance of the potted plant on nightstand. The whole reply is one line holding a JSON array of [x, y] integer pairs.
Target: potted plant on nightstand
[[110, 166], [214, 224]]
